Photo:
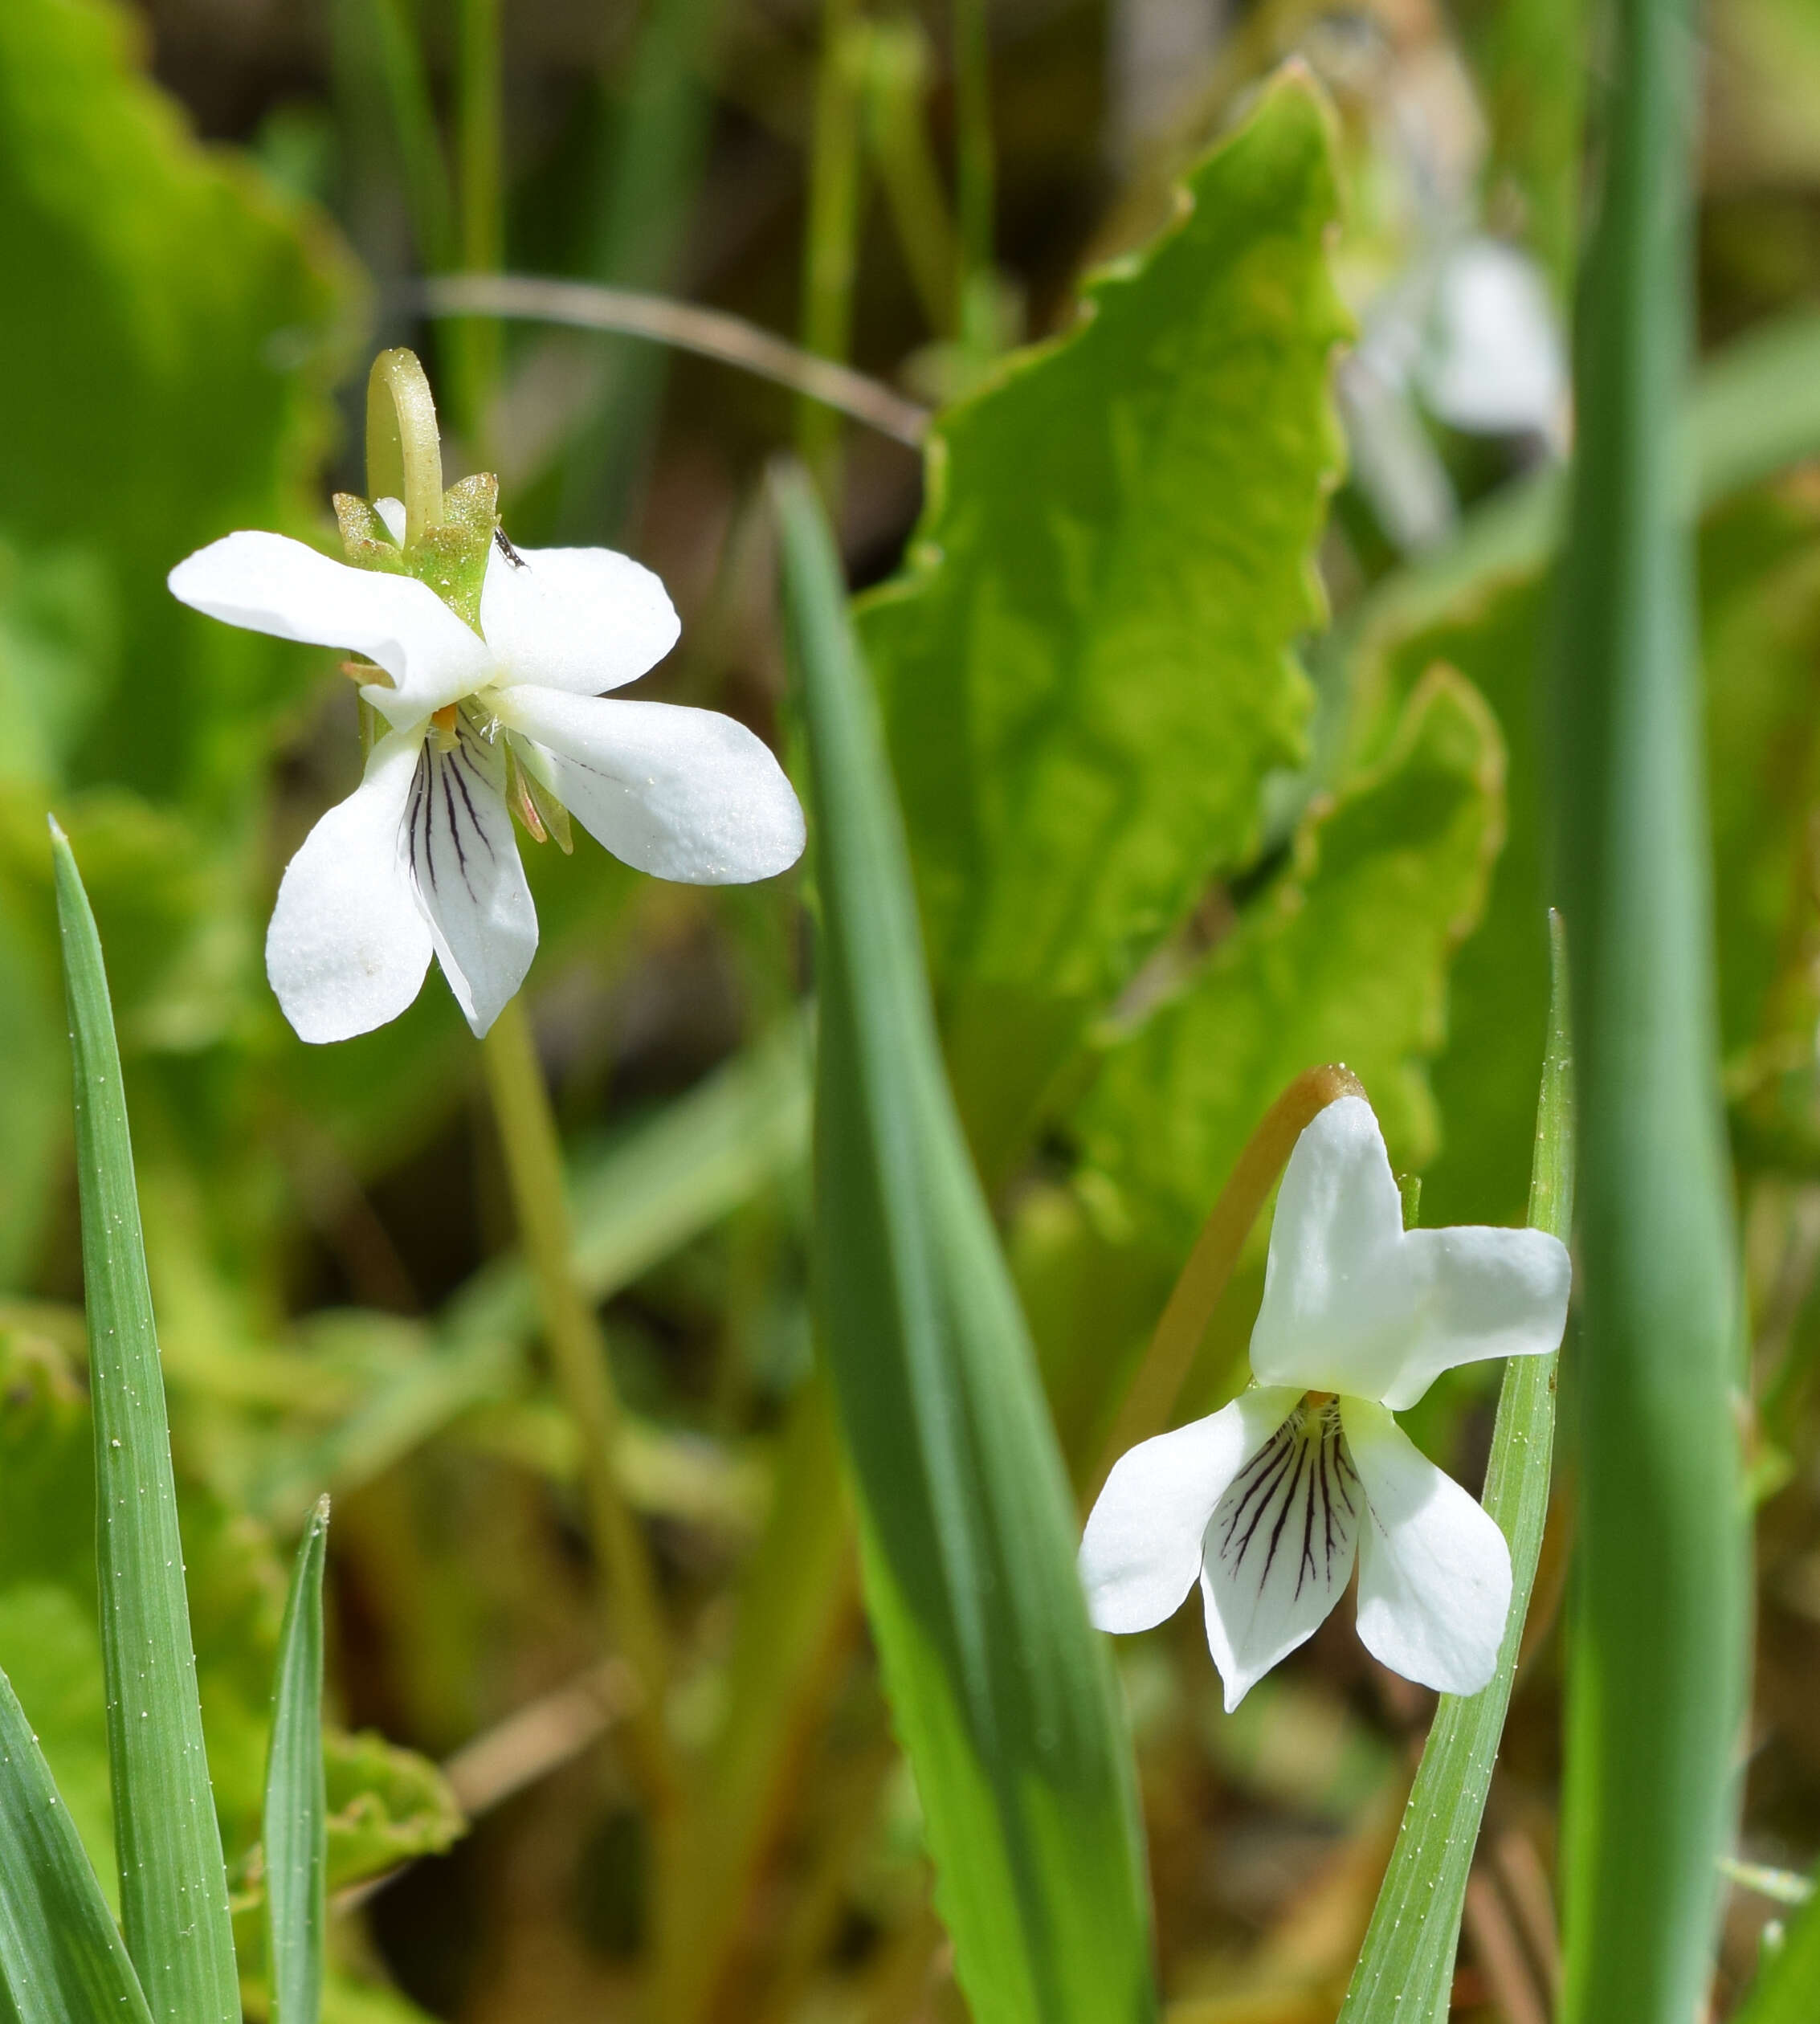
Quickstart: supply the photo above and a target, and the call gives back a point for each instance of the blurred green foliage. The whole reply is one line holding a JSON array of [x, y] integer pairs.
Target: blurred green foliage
[[1159, 870]]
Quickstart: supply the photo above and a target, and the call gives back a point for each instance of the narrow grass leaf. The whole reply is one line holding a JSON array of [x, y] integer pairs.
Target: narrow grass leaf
[[1405, 1970], [296, 1803], [173, 1887], [1000, 1692], [1657, 1654], [60, 1952]]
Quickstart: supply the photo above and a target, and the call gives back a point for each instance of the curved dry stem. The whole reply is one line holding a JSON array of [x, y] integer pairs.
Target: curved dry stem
[[711, 334], [1164, 1370]]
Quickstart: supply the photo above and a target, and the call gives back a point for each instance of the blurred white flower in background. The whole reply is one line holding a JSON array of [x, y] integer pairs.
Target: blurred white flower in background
[[1492, 360], [1269, 1501], [512, 717]]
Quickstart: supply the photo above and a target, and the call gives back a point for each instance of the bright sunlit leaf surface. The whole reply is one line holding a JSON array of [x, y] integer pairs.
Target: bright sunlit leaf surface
[[1086, 667], [1002, 1695], [1343, 960]]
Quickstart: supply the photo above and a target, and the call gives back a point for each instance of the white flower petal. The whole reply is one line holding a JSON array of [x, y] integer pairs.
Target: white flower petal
[[271, 584], [1141, 1550], [583, 619], [1336, 1309], [685, 794], [347, 947], [1279, 1547], [1494, 360], [391, 512], [1476, 1292], [1435, 1576], [461, 853], [1354, 1304]]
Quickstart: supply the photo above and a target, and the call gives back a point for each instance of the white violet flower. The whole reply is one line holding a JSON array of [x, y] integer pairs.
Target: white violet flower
[[1269, 1501], [421, 857]]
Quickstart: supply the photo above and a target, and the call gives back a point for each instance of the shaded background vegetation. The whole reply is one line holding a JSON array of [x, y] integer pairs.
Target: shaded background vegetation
[[182, 352]]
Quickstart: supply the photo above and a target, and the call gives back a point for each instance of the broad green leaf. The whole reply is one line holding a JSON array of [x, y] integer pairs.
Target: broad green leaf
[[173, 1885], [386, 1805], [1001, 1693], [383, 1807], [1344, 958], [164, 366], [59, 1952], [297, 1804], [1085, 668], [1658, 1652], [1484, 1078], [1405, 1969]]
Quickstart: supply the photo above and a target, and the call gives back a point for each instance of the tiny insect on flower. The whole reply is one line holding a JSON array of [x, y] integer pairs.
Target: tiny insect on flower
[[1269, 1501], [508, 712]]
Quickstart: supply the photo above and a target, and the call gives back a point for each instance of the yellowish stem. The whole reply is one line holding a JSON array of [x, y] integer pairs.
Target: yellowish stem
[[577, 1351], [1164, 1370]]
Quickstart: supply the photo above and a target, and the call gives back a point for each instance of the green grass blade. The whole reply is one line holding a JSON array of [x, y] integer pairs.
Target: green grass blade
[[1405, 1970], [1002, 1693], [173, 1887], [1657, 1654], [388, 87], [1787, 1989], [296, 1803], [649, 174], [60, 1953]]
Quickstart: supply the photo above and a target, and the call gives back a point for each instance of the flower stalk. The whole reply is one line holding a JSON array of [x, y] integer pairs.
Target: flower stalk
[[405, 460], [1153, 1393], [578, 1350]]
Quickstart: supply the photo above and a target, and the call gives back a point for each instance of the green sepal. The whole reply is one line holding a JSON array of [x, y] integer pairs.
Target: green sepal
[[365, 539], [451, 558], [543, 817]]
